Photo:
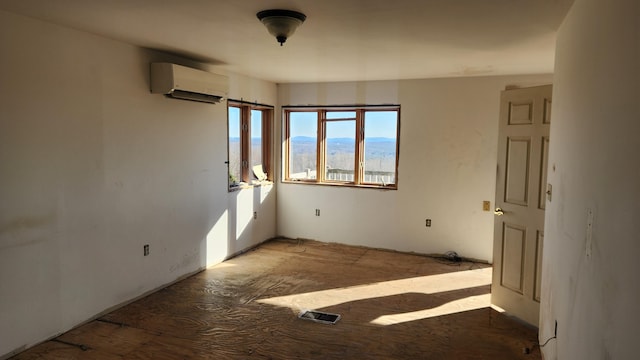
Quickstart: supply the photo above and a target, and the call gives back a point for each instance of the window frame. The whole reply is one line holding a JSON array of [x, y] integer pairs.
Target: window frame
[[321, 144], [246, 175]]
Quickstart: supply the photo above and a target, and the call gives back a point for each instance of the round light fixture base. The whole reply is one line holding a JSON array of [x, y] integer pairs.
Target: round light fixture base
[[281, 23]]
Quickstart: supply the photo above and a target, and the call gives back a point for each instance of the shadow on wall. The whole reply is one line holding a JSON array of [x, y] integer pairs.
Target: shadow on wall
[[245, 223]]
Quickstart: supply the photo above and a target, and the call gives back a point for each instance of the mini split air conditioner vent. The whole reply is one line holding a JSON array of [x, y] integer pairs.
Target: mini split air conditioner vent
[[181, 82], [188, 95]]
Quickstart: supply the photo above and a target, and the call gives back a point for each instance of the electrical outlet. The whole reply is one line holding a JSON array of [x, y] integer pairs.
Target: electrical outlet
[[428, 223], [486, 205], [146, 249], [317, 212]]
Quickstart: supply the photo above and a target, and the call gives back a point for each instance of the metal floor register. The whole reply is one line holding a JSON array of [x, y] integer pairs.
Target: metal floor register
[[319, 316]]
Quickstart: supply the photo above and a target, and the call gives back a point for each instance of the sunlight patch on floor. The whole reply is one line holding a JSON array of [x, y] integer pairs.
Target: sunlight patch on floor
[[430, 284], [223, 265]]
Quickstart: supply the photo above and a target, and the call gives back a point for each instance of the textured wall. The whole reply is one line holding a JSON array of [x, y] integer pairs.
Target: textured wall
[[590, 276], [448, 157], [92, 167]]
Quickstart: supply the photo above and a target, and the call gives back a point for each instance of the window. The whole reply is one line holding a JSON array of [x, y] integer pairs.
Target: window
[[355, 146], [249, 145]]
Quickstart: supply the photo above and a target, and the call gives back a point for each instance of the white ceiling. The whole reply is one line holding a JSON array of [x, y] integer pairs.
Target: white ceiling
[[341, 39]]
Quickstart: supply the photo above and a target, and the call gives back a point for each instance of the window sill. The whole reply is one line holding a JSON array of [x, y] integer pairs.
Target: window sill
[[255, 183], [339, 184]]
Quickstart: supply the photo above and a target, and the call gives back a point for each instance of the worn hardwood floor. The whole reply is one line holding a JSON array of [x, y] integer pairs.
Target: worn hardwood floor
[[393, 306]]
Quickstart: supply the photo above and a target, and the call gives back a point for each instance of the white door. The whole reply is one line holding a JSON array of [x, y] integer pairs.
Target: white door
[[523, 147]]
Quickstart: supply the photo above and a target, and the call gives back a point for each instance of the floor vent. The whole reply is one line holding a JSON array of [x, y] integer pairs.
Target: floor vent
[[319, 316]]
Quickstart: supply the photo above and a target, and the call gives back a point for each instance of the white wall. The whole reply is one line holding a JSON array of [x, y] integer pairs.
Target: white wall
[[448, 157], [93, 166], [594, 149], [239, 225]]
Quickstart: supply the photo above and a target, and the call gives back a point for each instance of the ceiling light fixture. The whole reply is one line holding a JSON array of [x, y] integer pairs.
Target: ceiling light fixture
[[281, 23]]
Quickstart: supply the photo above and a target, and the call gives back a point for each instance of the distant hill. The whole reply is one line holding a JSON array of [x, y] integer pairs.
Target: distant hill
[[341, 139], [303, 139], [380, 153], [380, 139]]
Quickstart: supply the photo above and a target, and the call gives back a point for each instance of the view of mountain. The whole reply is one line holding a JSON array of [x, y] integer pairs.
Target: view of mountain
[[380, 153], [334, 140]]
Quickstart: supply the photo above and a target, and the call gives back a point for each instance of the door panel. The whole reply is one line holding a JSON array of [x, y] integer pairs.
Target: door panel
[[520, 113], [513, 246], [542, 203], [547, 111], [539, 242], [517, 171], [520, 194]]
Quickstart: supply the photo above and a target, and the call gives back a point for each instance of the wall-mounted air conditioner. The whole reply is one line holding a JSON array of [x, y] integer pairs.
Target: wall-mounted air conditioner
[[186, 83]]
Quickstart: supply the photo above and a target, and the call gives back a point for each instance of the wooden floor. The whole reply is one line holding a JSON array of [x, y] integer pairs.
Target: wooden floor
[[393, 306]]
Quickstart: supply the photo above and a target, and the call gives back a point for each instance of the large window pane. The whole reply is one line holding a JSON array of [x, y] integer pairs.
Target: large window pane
[[340, 150], [358, 145], [235, 147], [256, 140], [380, 146], [303, 139]]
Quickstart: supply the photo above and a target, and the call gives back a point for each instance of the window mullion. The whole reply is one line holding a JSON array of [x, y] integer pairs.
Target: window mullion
[[358, 173], [321, 147], [245, 120], [287, 145], [266, 143]]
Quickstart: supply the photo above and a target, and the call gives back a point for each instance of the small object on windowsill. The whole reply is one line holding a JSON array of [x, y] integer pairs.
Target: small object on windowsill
[[253, 183], [260, 182], [259, 173], [238, 185]]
